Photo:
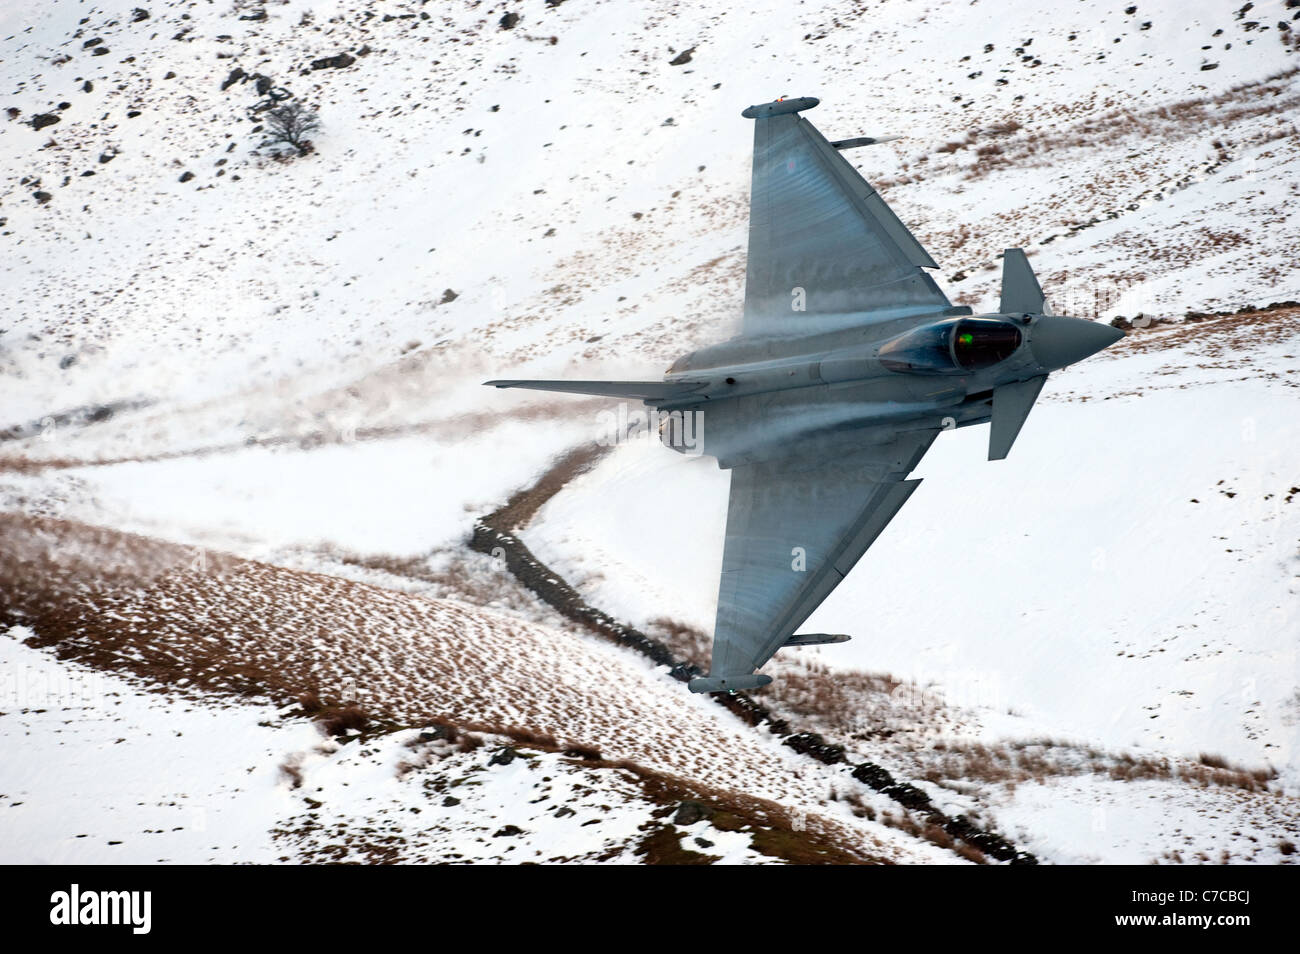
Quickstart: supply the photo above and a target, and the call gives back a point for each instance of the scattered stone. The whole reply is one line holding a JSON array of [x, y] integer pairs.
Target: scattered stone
[[41, 120], [508, 831], [97, 41], [508, 21], [1209, 66], [336, 62], [504, 757], [450, 802], [236, 75], [63, 106], [132, 113], [42, 197], [139, 14], [690, 812], [67, 361], [88, 87], [107, 156], [99, 51], [170, 75], [682, 58], [448, 296], [257, 16], [186, 176]]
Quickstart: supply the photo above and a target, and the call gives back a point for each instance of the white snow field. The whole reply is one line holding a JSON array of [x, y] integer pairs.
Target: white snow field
[[1090, 647]]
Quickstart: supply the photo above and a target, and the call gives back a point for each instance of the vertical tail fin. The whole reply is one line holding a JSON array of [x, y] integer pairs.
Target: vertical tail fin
[[1021, 293]]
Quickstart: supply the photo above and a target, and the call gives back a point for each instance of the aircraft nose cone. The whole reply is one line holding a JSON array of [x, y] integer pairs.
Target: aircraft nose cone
[[1057, 341]]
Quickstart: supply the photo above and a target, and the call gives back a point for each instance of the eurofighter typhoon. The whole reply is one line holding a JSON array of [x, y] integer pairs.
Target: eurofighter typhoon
[[849, 363]]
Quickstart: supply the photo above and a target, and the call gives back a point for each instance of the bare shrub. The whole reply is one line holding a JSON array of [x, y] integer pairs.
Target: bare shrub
[[578, 750], [292, 772], [291, 124], [341, 720], [971, 854]]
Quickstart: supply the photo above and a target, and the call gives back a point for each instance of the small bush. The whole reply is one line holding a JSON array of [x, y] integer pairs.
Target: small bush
[[340, 721], [291, 124]]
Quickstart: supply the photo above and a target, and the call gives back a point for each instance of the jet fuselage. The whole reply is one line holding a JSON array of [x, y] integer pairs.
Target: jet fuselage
[[940, 373]]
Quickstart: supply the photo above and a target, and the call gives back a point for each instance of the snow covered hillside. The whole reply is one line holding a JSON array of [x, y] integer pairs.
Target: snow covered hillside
[[272, 365]]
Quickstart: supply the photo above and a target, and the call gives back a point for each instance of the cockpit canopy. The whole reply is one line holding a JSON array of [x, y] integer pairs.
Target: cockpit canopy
[[957, 346]]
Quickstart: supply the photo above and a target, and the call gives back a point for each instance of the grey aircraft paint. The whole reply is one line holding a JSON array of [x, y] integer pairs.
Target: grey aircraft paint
[[849, 364]]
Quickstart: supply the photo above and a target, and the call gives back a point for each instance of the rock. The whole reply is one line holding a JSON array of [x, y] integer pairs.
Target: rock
[[263, 85], [41, 120], [99, 51], [448, 296], [873, 776], [508, 21], [139, 14], [682, 58], [170, 75], [504, 757], [67, 361], [42, 197], [907, 795], [508, 831], [450, 802], [812, 744], [336, 62], [88, 87], [257, 16], [236, 75], [690, 812], [63, 106], [186, 176], [95, 42]]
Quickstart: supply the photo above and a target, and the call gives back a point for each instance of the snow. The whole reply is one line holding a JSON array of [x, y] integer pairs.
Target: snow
[[402, 496], [291, 380], [99, 772], [1082, 821]]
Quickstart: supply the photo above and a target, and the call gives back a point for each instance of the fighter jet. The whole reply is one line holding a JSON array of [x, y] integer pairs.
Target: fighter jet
[[850, 361]]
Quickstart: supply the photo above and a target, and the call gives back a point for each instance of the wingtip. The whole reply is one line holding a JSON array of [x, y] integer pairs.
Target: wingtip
[[733, 683]]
